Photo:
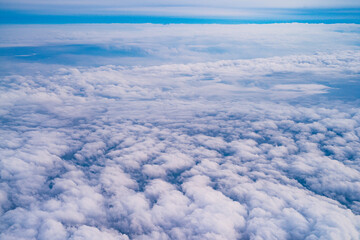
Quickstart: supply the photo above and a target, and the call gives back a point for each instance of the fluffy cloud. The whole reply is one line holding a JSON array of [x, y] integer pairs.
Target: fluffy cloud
[[235, 149]]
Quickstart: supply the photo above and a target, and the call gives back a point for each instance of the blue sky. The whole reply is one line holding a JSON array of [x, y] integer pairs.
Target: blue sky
[[256, 16], [230, 12], [161, 7]]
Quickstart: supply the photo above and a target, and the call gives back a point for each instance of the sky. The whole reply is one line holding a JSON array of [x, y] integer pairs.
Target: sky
[[179, 120], [179, 11], [160, 6]]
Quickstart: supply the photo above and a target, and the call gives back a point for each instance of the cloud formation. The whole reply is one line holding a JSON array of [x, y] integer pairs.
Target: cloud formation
[[232, 149], [33, 46]]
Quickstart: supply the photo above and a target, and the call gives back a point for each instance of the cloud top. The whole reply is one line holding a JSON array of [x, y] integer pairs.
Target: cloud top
[[257, 148], [155, 153]]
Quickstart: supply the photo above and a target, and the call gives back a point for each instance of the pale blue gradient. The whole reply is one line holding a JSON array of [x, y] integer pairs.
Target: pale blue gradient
[[254, 16]]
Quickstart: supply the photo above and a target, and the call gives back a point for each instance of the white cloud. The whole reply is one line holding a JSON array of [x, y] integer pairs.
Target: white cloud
[[213, 150], [153, 44]]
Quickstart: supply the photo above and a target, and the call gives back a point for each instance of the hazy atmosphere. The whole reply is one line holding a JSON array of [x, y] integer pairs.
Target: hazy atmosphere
[[179, 120]]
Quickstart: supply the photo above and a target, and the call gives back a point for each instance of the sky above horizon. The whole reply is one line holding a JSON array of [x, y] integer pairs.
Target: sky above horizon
[[162, 7], [111, 11]]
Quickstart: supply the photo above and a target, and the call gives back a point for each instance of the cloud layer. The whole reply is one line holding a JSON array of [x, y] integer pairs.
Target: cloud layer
[[235, 149], [25, 47]]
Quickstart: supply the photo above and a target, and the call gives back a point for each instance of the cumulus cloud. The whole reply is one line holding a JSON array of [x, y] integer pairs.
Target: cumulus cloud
[[232, 149]]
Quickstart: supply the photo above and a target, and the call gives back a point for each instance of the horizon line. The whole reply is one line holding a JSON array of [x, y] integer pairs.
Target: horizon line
[[55, 20]]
